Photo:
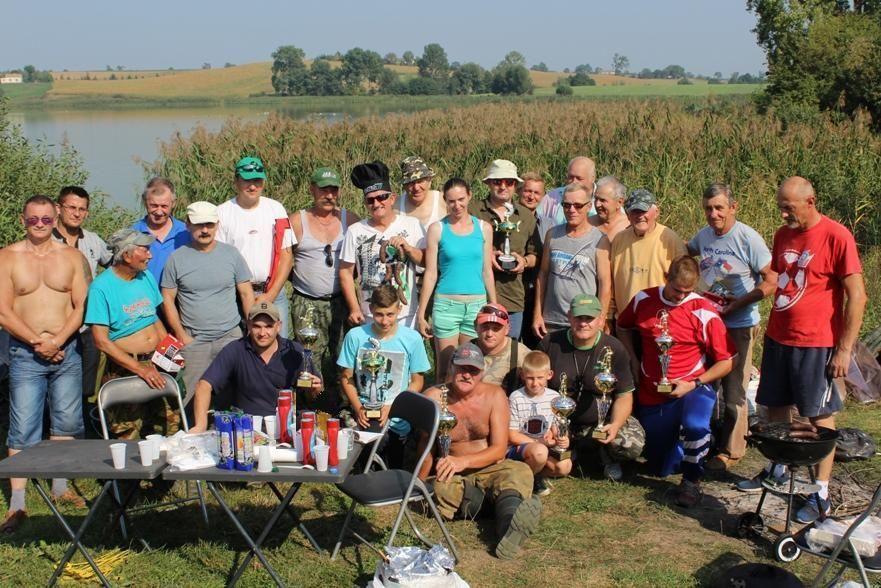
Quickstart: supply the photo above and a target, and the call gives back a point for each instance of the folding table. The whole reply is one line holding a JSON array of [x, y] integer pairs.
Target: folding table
[[77, 459]]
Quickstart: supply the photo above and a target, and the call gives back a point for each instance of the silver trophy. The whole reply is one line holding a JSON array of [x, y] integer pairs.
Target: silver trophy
[[373, 362], [507, 261], [664, 342], [605, 381], [446, 424], [562, 406], [308, 335]]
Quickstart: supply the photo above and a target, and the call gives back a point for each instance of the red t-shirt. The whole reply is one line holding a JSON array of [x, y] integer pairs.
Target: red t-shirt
[[808, 308], [696, 328]]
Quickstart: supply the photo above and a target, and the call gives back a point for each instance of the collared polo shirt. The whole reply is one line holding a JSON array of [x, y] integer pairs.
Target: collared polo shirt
[[524, 241], [240, 377], [176, 238], [91, 246]]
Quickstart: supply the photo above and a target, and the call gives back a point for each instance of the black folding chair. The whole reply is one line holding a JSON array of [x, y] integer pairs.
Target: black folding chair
[[389, 487], [134, 390]]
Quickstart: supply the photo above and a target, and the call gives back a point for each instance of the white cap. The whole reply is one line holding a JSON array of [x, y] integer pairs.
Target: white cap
[[202, 212], [501, 169]]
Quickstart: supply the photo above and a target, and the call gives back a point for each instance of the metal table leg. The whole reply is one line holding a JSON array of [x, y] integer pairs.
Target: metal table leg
[[77, 536], [290, 510]]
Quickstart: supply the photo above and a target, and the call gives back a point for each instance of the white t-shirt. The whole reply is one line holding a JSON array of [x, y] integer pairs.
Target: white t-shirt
[[250, 230], [532, 415], [361, 247]]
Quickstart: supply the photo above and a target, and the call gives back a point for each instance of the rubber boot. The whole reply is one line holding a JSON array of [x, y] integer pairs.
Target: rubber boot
[[516, 520], [472, 500]]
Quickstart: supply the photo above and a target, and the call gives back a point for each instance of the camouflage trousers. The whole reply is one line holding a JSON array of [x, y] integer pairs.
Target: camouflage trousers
[[329, 317], [626, 446], [134, 421], [493, 479]]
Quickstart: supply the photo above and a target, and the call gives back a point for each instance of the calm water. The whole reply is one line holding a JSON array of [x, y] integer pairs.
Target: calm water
[[114, 143]]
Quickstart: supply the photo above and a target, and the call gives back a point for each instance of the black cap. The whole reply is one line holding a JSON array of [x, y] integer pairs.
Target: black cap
[[371, 177]]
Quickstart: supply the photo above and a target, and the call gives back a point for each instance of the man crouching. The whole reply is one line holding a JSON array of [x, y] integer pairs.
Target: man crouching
[[476, 467]]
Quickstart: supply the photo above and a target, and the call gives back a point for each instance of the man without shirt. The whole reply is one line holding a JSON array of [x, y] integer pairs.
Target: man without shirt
[[168, 233], [42, 296]]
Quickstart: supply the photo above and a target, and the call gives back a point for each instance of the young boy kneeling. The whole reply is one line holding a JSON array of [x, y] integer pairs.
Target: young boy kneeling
[[533, 428]]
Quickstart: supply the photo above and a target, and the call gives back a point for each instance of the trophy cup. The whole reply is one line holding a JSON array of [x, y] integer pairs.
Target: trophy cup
[[308, 335], [605, 382], [664, 342], [372, 362], [562, 406], [446, 424], [507, 261]]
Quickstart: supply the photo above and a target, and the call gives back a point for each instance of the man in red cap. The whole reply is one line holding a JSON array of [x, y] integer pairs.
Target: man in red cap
[[502, 354]]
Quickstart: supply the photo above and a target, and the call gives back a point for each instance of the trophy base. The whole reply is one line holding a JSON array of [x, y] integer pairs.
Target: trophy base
[[304, 382], [665, 388], [507, 262], [373, 413], [599, 434], [560, 454]]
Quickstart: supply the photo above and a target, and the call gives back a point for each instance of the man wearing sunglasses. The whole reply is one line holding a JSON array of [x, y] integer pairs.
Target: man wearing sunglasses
[[260, 229], [169, 234], [319, 232], [525, 241], [580, 169], [42, 296]]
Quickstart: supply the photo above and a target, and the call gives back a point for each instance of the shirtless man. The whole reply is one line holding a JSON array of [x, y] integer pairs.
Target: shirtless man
[[126, 328], [42, 296], [608, 201], [476, 466]]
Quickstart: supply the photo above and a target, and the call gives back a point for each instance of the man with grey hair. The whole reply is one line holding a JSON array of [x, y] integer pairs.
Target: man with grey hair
[[580, 169], [735, 266], [168, 232], [608, 202]]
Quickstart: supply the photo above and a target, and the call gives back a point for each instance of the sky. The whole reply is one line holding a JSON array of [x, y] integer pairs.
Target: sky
[[703, 36]]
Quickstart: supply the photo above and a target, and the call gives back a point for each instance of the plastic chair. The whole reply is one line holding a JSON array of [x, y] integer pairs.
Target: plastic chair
[[134, 390], [389, 487]]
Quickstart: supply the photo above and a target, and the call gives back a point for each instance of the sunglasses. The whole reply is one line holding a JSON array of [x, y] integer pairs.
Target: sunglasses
[[381, 198], [328, 255], [575, 205], [503, 181], [491, 310], [469, 369], [250, 167], [33, 221]]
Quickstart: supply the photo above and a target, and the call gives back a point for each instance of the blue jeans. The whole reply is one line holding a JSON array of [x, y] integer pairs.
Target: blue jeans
[[515, 324], [31, 380], [284, 309]]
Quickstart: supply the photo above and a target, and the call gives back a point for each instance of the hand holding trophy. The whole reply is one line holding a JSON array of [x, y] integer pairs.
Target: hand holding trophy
[[605, 381], [372, 362], [507, 261], [308, 336], [446, 424]]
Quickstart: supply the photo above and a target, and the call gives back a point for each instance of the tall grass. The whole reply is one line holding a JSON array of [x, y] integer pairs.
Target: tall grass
[[673, 148]]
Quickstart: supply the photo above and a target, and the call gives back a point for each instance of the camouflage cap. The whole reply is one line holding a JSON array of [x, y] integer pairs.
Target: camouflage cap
[[125, 237], [640, 199], [413, 169]]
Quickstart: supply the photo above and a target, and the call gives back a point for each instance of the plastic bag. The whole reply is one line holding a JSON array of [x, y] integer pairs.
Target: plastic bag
[[192, 451], [827, 534], [854, 444], [412, 567], [863, 380]]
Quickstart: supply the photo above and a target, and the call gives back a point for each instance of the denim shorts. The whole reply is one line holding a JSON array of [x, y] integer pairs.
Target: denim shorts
[[31, 381], [451, 318]]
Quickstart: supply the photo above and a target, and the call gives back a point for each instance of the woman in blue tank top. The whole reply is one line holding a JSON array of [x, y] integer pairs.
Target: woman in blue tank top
[[457, 261]]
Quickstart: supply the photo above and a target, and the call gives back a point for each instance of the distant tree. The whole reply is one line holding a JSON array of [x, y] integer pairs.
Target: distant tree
[[108, 68], [390, 59], [514, 58], [540, 66], [206, 65], [620, 63], [683, 82], [228, 64], [390, 82], [581, 79], [563, 89], [566, 70], [360, 65], [289, 74], [468, 79], [511, 79], [714, 82], [433, 63], [112, 76], [454, 66], [324, 80], [718, 75], [408, 58], [421, 85], [584, 68], [28, 74], [120, 67]]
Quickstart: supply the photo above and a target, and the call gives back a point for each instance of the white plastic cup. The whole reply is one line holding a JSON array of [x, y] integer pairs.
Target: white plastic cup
[[342, 443], [258, 422], [269, 422], [298, 442], [145, 450], [157, 440], [350, 435], [117, 452], [264, 459], [321, 453]]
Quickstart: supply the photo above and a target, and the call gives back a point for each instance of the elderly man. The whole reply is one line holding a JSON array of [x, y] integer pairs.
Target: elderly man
[[580, 169], [502, 354], [815, 321], [42, 297], [579, 352], [169, 233], [575, 260], [122, 314], [476, 467], [199, 288], [525, 242], [259, 228], [608, 201], [386, 247], [735, 266], [641, 253]]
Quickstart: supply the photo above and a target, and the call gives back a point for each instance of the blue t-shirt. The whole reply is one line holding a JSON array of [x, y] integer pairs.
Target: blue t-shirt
[[123, 306], [735, 259], [176, 238], [404, 353]]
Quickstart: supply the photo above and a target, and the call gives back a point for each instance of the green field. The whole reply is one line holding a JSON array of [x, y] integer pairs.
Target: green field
[[698, 88], [24, 92]]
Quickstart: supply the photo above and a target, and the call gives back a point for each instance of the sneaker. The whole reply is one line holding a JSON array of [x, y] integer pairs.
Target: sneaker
[[541, 486], [688, 494], [755, 483], [69, 498], [810, 512], [13, 522], [613, 471]]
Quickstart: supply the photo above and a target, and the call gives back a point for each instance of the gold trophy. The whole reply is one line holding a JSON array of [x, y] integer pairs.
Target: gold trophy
[[562, 406], [664, 342], [507, 261], [446, 424], [307, 335], [372, 362], [605, 381]]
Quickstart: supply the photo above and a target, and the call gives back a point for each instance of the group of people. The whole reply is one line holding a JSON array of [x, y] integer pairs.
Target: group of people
[[526, 295]]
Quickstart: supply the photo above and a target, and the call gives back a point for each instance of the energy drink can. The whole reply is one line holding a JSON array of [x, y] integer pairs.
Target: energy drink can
[[223, 422], [244, 435]]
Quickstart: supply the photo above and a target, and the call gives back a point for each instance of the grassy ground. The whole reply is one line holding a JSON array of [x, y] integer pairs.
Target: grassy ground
[[15, 92]]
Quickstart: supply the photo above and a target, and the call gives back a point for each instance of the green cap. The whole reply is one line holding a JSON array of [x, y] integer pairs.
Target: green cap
[[586, 305], [325, 176], [250, 168], [640, 199]]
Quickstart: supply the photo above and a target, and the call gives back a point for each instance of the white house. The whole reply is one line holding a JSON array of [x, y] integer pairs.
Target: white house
[[11, 78]]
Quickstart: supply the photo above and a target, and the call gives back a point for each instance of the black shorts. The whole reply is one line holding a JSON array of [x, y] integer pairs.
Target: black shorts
[[797, 375]]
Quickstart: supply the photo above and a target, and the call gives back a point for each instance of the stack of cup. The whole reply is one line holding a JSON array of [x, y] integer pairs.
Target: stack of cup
[[157, 444], [117, 452], [342, 445], [271, 431]]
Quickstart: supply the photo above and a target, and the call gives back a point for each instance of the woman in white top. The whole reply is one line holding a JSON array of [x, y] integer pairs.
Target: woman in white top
[[419, 200]]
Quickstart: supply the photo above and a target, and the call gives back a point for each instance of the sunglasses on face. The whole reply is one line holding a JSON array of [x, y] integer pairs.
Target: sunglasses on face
[[33, 221], [503, 181], [381, 198], [250, 167], [494, 312], [328, 255], [575, 205]]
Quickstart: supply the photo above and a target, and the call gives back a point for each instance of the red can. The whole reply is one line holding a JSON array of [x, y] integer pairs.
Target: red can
[[333, 429], [285, 405]]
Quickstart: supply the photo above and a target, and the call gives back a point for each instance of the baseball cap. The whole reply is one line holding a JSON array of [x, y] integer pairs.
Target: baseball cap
[[267, 308], [324, 177], [202, 212], [492, 312], [413, 169], [468, 354], [640, 199], [501, 169], [250, 168], [586, 305], [125, 237]]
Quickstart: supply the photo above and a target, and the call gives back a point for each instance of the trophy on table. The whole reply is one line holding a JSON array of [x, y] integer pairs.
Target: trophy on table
[[664, 342], [605, 381], [446, 424], [372, 362], [308, 336], [507, 261], [562, 406]]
